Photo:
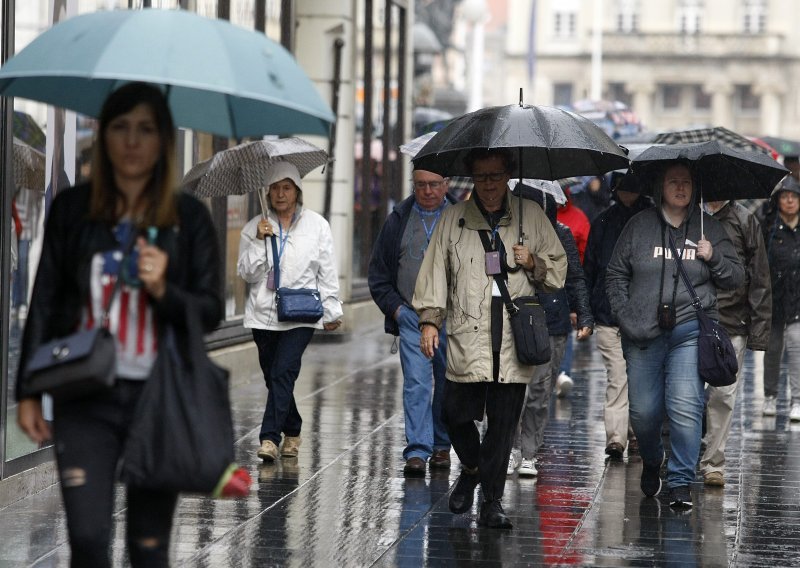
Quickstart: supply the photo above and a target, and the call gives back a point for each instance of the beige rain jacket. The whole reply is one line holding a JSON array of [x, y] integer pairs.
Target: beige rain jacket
[[453, 284]]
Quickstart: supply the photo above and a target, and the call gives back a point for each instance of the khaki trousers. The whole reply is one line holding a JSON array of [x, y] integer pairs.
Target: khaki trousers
[[719, 415], [615, 411]]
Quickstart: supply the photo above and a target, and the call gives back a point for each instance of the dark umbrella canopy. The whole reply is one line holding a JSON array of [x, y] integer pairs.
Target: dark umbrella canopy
[[783, 146], [720, 171], [548, 143], [715, 133]]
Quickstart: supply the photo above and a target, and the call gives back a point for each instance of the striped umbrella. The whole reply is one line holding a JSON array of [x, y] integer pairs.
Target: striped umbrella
[[716, 133], [241, 169]]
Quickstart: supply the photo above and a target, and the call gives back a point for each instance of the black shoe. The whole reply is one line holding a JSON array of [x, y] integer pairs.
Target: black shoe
[[415, 467], [680, 497], [463, 492], [614, 451], [492, 516], [651, 478]]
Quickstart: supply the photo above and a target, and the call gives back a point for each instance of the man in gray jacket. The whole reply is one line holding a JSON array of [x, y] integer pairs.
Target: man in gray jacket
[[745, 313]]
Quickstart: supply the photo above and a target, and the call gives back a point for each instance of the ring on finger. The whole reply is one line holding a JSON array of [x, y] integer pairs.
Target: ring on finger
[[148, 267]]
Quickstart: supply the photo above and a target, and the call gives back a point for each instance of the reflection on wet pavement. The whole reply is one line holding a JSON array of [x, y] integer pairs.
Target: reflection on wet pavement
[[344, 501]]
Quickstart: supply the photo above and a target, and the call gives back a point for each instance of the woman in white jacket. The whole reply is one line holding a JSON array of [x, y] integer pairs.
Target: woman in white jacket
[[306, 260]]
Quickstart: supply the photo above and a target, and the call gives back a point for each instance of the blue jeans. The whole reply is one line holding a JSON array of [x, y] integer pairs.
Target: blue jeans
[[279, 354], [423, 389], [663, 383]]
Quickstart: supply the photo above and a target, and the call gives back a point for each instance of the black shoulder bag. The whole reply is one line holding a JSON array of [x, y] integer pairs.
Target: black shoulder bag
[[716, 357], [79, 364], [528, 320]]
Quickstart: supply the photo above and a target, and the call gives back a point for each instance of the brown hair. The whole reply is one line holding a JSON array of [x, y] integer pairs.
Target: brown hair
[[160, 196]]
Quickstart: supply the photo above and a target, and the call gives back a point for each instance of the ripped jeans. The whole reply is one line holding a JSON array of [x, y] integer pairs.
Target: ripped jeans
[[89, 437]]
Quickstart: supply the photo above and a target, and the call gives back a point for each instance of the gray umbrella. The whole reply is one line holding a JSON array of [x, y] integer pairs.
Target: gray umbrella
[[241, 169], [29, 166]]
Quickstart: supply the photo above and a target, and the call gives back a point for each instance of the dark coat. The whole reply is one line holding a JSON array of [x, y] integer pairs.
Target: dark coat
[[385, 261], [603, 235], [71, 240], [783, 252], [747, 310]]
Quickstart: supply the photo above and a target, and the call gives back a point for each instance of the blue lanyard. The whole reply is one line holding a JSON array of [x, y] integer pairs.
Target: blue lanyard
[[283, 239], [422, 214]]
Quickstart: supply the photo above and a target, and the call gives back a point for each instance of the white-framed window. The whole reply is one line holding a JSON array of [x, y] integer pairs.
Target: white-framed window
[[627, 16], [565, 18], [670, 95], [754, 16], [745, 100], [701, 99], [690, 16]]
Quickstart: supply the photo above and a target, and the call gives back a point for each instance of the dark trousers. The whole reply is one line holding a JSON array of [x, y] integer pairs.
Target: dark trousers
[[501, 404], [90, 436], [280, 354], [773, 358]]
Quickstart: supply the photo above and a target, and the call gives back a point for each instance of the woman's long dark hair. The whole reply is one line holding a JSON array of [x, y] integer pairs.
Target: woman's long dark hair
[[159, 197]]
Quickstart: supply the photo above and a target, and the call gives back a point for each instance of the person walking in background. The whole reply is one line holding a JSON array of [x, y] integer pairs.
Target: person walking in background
[[456, 283], [393, 268], [659, 325], [306, 259], [572, 298], [782, 239], [88, 226], [602, 237], [594, 198], [745, 313]]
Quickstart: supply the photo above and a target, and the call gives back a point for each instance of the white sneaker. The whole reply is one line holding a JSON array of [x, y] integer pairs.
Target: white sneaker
[[794, 414], [513, 463], [527, 468], [770, 406], [563, 385]]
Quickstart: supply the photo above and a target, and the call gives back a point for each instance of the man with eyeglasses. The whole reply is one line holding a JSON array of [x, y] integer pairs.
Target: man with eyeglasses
[[396, 258], [456, 283]]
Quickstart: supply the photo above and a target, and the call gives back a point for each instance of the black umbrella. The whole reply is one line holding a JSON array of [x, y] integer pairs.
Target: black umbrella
[[720, 172], [548, 143], [717, 133], [783, 146]]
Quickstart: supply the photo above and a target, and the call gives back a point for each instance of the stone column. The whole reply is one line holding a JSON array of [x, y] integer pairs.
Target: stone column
[[721, 91], [771, 93], [642, 92]]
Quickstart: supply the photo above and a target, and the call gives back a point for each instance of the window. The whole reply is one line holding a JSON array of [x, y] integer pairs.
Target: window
[[627, 16], [702, 100], [747, 102], [564, 24], [754, 19], [617, 92], [562, 94], [690, 16], [670, 96]]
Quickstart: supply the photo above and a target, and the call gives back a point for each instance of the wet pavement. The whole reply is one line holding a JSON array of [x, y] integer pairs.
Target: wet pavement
[[344, 501]]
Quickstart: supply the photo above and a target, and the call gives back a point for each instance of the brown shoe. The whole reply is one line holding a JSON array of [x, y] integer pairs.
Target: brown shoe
[[415, 467], [714, 478], [268, 451], [291, 446], [440, 459]]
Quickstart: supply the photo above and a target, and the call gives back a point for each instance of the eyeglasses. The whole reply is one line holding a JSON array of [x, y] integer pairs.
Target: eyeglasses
[[494, 176], [432, 184]]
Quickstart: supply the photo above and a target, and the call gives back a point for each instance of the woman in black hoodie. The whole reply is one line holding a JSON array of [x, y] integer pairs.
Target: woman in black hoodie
[[659, 325]]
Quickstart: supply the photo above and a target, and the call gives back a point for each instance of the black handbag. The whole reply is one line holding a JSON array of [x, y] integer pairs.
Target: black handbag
[[80, 364], [181, 435], [302, 305], [716, 357], [528, 321]]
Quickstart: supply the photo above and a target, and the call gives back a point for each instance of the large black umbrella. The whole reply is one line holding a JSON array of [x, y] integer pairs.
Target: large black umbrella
[[548, 143], [720, 171]]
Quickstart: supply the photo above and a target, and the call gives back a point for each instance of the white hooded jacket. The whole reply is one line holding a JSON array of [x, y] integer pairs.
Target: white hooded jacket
[[307, 261]]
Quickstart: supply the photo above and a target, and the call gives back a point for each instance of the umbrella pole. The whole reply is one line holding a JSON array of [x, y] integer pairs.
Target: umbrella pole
[[521, 234], [261, 201]]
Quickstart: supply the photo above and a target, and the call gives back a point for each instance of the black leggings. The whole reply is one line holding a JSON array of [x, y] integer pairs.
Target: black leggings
[[90, 435]]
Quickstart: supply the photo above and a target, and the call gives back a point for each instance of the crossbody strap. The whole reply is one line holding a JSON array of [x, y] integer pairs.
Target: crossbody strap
[[501, 283], [695, 299], [277, 262]]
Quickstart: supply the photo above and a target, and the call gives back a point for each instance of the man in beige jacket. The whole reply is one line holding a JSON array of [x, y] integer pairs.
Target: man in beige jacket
[[456, 283]]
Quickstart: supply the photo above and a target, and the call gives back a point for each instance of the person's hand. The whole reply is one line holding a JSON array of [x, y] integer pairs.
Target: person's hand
[[429, 339], [584, 333], [152, 268], [31, 420], [332, 325], [573, 320], [396, 313], [523, 257], [264, 229], [704, 249]]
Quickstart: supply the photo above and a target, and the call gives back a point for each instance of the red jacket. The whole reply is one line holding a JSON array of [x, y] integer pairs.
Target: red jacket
[[578, 223]]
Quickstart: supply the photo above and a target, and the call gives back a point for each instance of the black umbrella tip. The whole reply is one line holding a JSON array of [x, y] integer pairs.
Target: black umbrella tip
[[520, 96]]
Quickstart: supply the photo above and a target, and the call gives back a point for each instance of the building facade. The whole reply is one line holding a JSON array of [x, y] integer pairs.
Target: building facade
[[677, 63]]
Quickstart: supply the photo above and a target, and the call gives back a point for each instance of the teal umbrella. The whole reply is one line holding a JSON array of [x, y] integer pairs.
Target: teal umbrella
[[218, 77]]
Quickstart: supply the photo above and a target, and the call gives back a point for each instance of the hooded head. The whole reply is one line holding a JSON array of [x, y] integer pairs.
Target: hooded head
[[280, 171], [661, 176]]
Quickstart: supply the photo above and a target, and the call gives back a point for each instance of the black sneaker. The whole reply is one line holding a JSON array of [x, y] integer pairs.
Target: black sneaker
[[651, 478], [614, 451], [680, 497], [464, 492]]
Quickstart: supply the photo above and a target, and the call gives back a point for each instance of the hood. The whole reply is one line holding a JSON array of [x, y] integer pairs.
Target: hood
[[658, 186]]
